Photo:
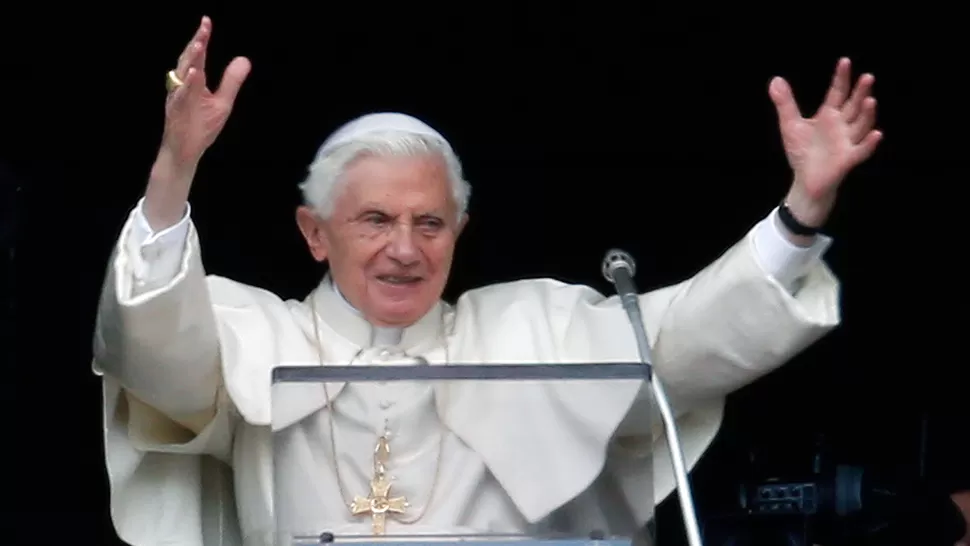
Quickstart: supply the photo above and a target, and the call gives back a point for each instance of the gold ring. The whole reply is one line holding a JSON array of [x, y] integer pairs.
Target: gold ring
[[172, 82]]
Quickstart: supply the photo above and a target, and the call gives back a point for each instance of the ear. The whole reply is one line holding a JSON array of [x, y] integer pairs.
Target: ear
[[461, 225], [312, 230]]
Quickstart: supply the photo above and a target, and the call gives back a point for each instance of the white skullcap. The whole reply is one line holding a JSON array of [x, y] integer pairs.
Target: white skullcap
[[379, 123]]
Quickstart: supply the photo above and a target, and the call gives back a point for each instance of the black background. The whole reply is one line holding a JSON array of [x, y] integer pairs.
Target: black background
[[581, 128]]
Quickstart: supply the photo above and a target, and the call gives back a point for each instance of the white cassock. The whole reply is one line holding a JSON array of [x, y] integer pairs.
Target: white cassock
[[168, 336]]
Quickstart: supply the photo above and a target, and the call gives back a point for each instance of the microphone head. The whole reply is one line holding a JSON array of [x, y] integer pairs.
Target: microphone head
[[617, 259]]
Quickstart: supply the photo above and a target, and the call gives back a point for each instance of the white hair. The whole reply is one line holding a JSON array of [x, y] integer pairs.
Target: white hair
[[326, 173]]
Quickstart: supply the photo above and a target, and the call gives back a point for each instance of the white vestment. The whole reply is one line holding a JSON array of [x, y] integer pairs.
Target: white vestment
[[168, 336]]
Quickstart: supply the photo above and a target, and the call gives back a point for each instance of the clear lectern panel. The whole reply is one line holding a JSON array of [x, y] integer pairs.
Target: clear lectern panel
[[555, 455]]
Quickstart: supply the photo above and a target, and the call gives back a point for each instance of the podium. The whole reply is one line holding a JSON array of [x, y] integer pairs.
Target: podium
[[408, 452]]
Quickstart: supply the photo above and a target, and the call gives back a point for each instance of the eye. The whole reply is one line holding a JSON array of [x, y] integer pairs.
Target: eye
[[376, 218], [430, 223]]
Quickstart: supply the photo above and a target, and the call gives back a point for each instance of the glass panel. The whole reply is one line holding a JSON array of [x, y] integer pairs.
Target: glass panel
[[557, 454]]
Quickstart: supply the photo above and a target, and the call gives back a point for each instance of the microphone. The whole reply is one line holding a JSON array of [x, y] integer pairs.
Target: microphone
[[619, 268]]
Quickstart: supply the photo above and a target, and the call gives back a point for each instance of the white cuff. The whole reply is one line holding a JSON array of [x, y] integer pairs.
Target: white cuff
[[155, 257], [779, 258]]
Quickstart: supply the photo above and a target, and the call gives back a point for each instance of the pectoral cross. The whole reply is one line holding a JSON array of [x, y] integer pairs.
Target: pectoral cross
[[379, 503]]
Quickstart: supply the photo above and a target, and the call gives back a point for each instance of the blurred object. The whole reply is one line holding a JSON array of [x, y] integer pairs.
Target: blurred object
[[833, 504]]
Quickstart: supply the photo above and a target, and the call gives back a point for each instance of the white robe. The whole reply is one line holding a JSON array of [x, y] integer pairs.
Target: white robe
[[168, 336]]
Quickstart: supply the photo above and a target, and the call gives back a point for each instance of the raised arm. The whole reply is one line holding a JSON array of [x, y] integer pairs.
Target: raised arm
[[156, 333], [765, 299], [743, 329]]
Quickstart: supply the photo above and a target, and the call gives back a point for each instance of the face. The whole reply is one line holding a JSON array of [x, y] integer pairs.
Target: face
[[391, 237]]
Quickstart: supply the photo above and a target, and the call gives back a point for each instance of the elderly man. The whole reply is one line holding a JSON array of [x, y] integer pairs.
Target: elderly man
[[186, 357]]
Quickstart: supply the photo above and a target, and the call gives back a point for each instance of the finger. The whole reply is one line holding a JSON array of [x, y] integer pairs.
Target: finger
[[862, 91], [867, 147], [201, 57], [232, 79], [194, 52], [839, 89], [865, 121], [190, 88], [188, 59], [781, 95], [204, 40]]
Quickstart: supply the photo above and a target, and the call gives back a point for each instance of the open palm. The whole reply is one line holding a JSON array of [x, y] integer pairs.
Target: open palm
[[194, 115], [824, 148]]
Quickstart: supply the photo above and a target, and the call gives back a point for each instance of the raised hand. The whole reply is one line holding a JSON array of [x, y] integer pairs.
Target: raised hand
[[194, 115], [824, 148]]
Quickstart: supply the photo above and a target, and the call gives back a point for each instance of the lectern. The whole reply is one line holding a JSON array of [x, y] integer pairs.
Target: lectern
[[420, 479]]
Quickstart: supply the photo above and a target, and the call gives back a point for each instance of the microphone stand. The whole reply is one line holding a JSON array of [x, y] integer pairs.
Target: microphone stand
[[619, 268]]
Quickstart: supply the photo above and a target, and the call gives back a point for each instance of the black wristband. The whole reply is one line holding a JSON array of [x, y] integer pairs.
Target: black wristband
[[793, 225]]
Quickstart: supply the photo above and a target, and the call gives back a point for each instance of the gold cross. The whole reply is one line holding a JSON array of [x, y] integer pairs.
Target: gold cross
[[378, 504]]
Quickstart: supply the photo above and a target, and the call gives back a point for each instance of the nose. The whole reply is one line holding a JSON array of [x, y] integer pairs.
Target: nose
[[402, 247]]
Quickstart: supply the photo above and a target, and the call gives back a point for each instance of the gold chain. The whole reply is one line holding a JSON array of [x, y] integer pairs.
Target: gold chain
[[333, 437]]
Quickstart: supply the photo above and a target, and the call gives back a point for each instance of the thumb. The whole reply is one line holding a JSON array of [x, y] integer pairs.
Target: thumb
[[233, 78], [781, 95]]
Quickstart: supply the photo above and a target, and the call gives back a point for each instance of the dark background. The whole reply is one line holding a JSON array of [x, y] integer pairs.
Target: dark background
[[646, 128]]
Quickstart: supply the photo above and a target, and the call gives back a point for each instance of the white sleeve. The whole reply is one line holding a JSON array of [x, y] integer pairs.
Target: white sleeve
[[155, 256], [779, 258]]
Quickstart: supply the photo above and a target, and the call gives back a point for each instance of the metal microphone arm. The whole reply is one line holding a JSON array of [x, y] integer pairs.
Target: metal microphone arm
[[619, 268]]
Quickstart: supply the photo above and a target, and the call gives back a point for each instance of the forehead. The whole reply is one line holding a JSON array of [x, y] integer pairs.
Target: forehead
[[397, 182]]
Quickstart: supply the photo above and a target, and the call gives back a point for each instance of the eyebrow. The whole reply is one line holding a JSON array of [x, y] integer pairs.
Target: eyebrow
[[370, 209]]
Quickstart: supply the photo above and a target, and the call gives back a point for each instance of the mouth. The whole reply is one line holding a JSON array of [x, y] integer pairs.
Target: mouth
[[399, 280]]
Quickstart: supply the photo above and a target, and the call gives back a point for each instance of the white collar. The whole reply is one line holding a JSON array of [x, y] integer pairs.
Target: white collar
[[344, 319]]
